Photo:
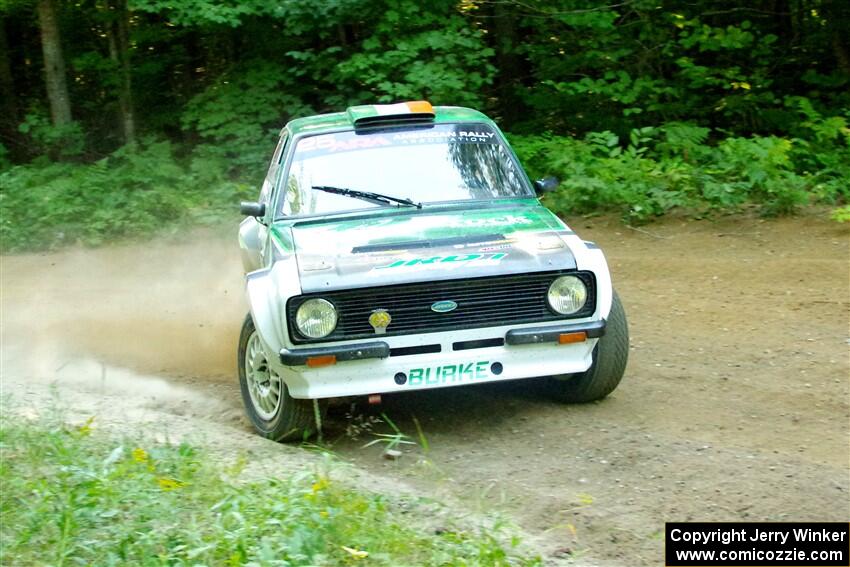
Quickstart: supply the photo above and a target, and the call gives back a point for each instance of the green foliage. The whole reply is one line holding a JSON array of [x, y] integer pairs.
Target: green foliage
[[392, 441], [719, 64], [59, 142], [672, 166], [822, 150], [841, 214], [757, 169], [681, 139], [71, 495], [598, 174], [439, 58], [203, 12], [134, 191], [241, 114], [639, 107]]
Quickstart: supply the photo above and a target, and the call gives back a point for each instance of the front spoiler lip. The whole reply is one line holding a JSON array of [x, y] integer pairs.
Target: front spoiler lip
[[380, 349]]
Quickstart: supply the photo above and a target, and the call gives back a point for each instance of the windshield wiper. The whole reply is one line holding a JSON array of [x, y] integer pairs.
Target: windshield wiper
[[367, 196]]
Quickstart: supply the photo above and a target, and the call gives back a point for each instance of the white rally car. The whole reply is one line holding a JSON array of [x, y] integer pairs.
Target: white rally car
[[403, 247]]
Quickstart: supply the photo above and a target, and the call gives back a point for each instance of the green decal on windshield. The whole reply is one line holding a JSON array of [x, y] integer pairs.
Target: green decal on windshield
[[444, 260], [450, 374]]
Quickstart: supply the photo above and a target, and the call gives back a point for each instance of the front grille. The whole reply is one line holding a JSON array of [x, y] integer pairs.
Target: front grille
[[481, 302]]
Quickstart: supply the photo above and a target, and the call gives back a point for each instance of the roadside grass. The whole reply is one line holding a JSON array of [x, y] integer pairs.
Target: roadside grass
[[72, 495]]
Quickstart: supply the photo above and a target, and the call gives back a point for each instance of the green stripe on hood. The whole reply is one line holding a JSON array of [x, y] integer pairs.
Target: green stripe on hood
[[415, 226], [426, 245]]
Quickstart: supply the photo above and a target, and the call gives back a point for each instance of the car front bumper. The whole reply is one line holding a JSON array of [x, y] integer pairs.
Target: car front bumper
[[439, 360]]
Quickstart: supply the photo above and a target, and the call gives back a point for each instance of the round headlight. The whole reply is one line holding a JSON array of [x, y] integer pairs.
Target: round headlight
[[567, 295], [316, 318]]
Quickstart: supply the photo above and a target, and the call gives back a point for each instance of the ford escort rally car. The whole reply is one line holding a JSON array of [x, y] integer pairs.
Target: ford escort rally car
[[402, 247]]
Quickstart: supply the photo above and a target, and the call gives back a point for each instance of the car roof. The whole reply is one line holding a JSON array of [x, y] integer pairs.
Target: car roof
[[336, 121]]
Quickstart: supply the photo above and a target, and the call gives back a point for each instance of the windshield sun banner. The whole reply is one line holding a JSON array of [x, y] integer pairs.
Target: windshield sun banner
[[433, 134]]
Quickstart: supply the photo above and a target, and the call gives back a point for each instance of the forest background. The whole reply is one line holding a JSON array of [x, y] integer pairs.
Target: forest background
[[121, 118]]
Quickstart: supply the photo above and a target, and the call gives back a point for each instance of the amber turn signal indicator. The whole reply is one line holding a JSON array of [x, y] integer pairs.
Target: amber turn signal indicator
[[324, 360], [569, 338]]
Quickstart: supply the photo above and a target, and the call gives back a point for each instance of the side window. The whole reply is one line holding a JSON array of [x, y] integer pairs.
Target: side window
[[268, 182]]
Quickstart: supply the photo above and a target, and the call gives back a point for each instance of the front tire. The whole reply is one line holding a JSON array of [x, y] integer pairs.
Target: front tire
[[273, 412], [609, 363]]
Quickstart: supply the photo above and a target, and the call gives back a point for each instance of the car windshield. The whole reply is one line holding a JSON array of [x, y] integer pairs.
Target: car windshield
[[425, 164]]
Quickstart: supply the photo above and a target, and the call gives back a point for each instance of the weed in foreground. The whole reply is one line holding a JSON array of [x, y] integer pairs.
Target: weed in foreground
[[73, 495]]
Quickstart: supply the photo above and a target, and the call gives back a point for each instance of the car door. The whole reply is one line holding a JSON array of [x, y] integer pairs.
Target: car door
[[254, 232]]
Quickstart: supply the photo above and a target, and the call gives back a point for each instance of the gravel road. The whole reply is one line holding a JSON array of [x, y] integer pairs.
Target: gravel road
[[735, 405]]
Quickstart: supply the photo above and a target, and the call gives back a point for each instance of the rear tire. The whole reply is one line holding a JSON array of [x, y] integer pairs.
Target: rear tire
[[273, 412], [609, 363]]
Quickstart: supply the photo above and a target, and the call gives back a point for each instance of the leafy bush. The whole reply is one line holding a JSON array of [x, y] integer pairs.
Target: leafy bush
[[753, 169], [58, 142], [73, 496], [136, 190], [841, 214], [675, 166], [239, 116], [597, 174], [822, 149]]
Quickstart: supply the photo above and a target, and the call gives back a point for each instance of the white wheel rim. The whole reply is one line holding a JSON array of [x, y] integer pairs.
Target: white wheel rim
[[264, 384]]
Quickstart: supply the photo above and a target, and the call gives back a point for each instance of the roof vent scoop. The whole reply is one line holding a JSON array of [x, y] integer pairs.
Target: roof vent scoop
[[412, 111]]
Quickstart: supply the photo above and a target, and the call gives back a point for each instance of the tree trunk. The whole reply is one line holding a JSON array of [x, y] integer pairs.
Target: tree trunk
[[836, 14], [842, 56], [784, 22], [9, 99], [54, 64], [119, 51], [510, 69]]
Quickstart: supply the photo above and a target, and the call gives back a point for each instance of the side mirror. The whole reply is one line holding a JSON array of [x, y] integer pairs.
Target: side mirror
[[546, 185], [252, 209]]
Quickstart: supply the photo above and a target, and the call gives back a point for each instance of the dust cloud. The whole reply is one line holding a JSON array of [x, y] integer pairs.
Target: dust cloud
[[136, 321]]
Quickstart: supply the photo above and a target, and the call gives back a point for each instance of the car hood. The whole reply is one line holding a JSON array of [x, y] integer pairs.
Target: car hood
[[422, 245]]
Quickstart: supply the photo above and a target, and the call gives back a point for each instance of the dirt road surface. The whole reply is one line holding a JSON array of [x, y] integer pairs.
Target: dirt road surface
[[735, 405]]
